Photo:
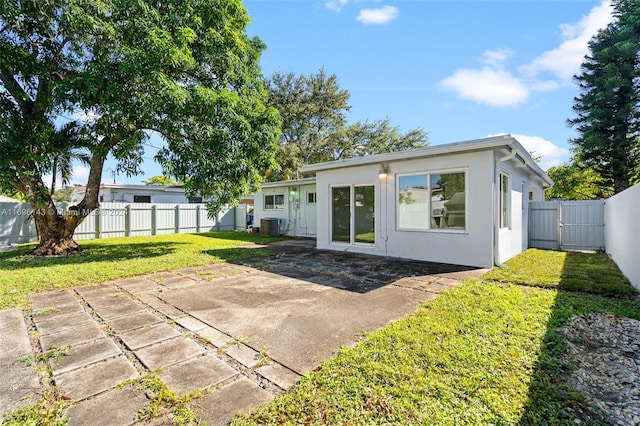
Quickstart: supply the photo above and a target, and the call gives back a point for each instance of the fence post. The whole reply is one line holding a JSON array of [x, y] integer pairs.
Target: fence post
[[96, 223], [198, 218], [127, 220], [177, 219], [154, 223]]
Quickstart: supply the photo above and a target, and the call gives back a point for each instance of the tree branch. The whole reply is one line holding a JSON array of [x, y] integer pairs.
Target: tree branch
[[15, 89]]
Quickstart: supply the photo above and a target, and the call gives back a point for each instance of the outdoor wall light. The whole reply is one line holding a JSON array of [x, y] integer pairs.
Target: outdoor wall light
[[384, 171]]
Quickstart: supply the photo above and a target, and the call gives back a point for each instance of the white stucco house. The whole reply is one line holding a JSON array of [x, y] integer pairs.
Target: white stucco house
[[119, 192], [462, 203]]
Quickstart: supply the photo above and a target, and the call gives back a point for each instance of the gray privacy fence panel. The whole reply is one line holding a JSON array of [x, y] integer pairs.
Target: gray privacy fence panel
[[582, 225], [118, 219], [543, 225], [567, 225]]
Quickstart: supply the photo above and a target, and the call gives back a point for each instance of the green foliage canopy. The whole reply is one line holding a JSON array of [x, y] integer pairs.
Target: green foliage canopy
[[315, 127], [116, 71], [608, 107]]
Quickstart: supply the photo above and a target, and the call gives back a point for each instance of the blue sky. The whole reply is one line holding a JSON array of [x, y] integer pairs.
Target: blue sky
[[457, 69]]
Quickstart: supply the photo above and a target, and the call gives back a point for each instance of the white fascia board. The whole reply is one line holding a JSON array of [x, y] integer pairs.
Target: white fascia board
[[450, 148], [493, 142], [305, 181]]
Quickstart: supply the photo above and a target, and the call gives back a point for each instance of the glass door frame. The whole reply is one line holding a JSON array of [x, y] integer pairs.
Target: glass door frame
[[352, 210]]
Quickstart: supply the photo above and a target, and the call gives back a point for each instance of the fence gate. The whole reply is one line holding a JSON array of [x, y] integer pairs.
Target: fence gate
[[566, 225]]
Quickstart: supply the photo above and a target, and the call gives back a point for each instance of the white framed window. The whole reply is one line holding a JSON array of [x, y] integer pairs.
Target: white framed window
[[505, 200], [142, 198], [434, 200], [312, 197], [274, 202]]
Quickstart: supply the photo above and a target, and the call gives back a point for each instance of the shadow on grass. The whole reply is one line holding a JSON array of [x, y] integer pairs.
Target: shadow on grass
[[552, 399], [248, 237], [94, 252]]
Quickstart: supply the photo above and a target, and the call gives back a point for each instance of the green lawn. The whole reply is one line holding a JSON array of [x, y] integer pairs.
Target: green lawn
[[484, 353], [109, 259], [584, 272]]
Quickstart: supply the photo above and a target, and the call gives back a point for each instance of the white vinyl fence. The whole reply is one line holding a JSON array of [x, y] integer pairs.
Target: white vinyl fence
[[113, 220], [622, 214]]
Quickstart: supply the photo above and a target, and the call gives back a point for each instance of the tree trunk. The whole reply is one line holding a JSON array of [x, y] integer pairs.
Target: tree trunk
[[55, 232]]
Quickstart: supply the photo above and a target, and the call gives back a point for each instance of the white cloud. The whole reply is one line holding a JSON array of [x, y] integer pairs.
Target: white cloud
[[489, 86], [497, 86], [381, 15], [335, 5], [550, 154], [564, 61]]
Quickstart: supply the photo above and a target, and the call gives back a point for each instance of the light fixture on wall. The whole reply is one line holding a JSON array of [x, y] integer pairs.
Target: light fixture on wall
[[384, 171]]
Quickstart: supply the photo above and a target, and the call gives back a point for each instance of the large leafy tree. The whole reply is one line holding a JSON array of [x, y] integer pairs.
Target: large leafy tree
[[114, 71], [315, 128], [573, 182], [608, 107]]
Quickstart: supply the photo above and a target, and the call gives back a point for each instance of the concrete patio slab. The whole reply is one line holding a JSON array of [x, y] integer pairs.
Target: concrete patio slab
[[131, 322], [297, 322], [197, 374], [299, 306], [18, 380], [169, 352], [72, 336], [138, 338], [220, 406], [117, 407], [96, 378], [85, 354]]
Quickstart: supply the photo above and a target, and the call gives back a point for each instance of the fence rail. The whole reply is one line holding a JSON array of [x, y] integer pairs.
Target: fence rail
[[122, 220]]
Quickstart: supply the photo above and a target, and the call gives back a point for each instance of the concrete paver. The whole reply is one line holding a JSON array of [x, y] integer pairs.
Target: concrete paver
[[96, 378], [84, 332], [64, 322], [220, 406], [191, 323], [244, 355], [197, 374], [53, 298], [55, 310], [138, 338], [276, 373], [18, 380], [169, 352], [117, 407], [85, 354], [214, 336], [131, 322]]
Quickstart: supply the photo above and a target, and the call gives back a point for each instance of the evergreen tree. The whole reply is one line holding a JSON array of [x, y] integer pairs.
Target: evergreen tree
[[608, 106]]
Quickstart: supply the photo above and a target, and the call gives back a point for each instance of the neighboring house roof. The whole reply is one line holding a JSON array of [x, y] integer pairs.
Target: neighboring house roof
[[494, 142], [143, 187]]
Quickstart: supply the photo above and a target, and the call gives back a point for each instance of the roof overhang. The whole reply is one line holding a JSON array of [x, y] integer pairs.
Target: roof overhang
[[305, 181], [507, 142]]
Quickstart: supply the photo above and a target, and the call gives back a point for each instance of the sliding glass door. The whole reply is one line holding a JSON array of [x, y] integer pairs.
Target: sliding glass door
[[353, 214]]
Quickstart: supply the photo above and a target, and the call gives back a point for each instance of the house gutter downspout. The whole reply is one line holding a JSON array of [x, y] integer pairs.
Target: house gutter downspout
[[496, 215]]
